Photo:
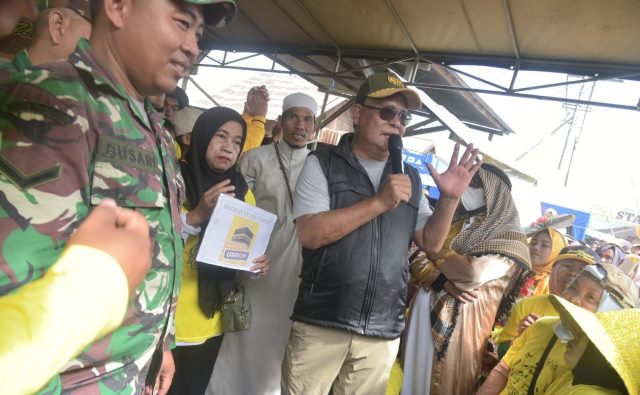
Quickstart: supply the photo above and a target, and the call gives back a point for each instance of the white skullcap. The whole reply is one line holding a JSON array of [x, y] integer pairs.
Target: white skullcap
[[185, 119], [300, 100]]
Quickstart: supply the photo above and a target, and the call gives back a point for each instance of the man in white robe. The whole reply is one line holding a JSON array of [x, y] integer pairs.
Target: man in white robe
[[249, 362]]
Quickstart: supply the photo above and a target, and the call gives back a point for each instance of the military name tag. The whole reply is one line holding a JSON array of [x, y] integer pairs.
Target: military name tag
[[126, 154]]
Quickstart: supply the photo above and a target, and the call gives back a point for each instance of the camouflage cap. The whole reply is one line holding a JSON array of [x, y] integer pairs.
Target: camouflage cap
[[381, 85], [82, 7], [578, 253], [217, 13]]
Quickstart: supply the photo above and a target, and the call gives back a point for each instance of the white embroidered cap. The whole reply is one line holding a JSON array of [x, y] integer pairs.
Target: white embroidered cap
[[299, 99]]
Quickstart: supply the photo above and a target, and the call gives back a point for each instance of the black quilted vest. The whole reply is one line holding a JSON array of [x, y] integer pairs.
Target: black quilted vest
[[359, 283]]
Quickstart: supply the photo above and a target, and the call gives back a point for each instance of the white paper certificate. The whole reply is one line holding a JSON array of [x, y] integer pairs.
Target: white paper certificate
[[237, 234]]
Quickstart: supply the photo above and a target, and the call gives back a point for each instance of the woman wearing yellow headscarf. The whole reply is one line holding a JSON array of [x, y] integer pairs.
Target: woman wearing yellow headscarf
[[544, 246]]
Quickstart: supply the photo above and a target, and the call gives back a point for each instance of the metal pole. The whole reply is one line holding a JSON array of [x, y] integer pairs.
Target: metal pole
[[577, 139], [203, 91], [529, 96], [566, 141], [326, 98]]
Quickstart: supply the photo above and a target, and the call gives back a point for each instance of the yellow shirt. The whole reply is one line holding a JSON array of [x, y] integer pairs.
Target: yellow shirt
[[178, 150], [586, 390], [192, 326], [255, 131], [563, 385], [48, 322], [538, 304], [524, 354], [394, 385]]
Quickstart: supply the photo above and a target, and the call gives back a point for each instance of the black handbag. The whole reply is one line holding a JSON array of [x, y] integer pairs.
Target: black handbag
[[236, 310]]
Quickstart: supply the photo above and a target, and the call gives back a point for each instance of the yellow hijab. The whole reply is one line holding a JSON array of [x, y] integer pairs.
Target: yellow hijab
[[541, 277]]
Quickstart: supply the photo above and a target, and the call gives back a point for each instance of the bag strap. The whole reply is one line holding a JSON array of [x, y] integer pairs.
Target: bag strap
[[540, 365], [284, 173]]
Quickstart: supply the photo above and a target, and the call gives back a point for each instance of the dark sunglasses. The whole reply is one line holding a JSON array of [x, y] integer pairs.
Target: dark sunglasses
[[389, 114]]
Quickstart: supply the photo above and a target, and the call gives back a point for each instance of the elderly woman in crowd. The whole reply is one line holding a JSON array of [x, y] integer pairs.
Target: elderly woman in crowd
[[566, 266], [611, 254], [535, 362]]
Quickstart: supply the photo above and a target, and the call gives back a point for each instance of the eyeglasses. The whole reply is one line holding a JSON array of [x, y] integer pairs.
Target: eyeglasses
[[389, 114]]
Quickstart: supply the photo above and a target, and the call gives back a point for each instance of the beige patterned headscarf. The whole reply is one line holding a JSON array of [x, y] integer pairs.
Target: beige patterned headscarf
[[497, 232]]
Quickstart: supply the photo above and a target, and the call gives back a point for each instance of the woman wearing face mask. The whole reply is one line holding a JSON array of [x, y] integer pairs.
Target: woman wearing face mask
[[536, 360], [472, 282], [210, 170]]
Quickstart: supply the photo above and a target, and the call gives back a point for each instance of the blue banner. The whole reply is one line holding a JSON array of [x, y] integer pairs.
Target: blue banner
[[579, 225], [419, 162]]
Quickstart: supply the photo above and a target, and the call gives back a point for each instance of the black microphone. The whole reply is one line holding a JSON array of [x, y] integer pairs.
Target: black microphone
[[395, 150]]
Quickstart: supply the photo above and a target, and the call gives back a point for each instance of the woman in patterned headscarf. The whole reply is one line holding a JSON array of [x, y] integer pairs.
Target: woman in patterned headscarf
[[473, 282]]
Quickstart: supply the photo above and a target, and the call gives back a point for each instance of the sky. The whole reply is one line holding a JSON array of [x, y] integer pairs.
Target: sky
[[603, 171]]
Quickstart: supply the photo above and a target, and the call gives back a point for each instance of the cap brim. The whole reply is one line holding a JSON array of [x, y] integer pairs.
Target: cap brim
[[565, 257], [411, 96], [219, 14]]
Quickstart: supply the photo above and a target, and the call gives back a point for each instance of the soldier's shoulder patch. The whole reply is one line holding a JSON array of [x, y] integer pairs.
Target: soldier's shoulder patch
[[26, 181], [32, 102]]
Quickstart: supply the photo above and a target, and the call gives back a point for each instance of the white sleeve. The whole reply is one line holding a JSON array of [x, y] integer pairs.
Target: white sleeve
[[187, 229], [312, 190], [424, 212]]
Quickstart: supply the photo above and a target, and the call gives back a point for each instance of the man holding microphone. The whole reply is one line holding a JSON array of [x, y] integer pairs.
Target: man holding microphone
[[355, 221]]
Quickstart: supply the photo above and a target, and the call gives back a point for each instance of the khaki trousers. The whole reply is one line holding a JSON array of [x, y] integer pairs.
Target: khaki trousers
[[318, 359]]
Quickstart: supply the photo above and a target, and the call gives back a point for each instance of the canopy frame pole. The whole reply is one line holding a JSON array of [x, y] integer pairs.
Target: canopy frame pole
[[475, 77], [512, 30], [326, 98], [529, 96], [326, 75], [400, 23], [318, 24], [581, 81], [208, 96], [516, 69]]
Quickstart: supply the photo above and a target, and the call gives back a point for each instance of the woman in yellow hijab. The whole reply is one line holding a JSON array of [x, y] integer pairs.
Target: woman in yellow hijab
[[544, 247]]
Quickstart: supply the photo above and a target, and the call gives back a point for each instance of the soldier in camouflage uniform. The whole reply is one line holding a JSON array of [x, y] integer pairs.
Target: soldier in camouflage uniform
[[74, 133], [59, 26]]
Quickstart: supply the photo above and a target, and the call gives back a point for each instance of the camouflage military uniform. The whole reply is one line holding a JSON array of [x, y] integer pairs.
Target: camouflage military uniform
[[71, 136], [19, 62]]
